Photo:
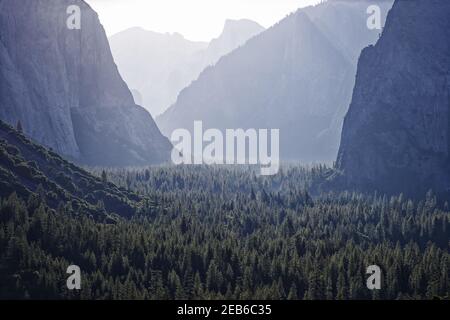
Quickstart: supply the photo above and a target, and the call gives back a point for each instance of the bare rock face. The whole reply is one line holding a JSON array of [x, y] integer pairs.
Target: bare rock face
[[64, 87], [396, 135]]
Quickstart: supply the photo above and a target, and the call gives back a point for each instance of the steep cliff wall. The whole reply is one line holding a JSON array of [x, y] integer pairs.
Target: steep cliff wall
[[396, 134], [64, 87]]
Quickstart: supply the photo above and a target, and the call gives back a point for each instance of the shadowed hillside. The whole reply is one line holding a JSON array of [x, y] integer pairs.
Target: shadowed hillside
[[32, 170]]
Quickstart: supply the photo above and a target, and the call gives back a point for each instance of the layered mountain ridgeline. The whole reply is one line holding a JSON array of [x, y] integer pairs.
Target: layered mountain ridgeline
[[159, 66], [30, 170], [396, 135], [148, 62], [297, 76], [65, 89]]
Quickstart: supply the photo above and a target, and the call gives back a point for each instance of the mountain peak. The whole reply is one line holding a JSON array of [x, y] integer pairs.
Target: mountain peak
[[230, 23], [278, 79], [240, 25]]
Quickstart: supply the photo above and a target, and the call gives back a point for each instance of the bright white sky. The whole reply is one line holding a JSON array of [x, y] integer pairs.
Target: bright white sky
[[194, 19]]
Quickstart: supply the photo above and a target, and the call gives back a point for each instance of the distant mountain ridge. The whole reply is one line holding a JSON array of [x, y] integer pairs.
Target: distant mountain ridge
[[297, 76], [235, 33], [159, 66], [149, 62], [65, 89], [396, 135]]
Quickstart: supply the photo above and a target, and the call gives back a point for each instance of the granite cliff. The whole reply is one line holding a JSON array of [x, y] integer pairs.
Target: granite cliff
[[396, 135], [65, 89]]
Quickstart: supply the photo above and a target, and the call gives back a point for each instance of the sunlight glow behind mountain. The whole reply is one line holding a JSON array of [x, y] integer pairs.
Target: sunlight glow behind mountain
[[199, 20]]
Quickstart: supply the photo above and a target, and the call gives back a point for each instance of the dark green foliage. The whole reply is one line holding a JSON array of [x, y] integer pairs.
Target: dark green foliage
[[227, 233], [207, 233], [25, 165]]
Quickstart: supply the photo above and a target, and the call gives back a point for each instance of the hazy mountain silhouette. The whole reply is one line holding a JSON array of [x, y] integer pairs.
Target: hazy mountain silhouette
[[159, 66], [148, 62], [396, 135], [64, 87], [296, 76], [235, 33]]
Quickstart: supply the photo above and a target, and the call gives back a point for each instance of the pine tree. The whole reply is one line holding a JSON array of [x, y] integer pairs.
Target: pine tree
[[104, 176], [19, 127], [198, 287], [329, 289], [293, 293]]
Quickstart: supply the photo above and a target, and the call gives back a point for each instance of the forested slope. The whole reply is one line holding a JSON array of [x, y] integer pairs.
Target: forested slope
[[208, 241], [32, 170]]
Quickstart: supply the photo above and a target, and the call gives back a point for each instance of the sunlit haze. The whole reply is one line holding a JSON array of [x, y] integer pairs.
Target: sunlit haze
[[195, 19]]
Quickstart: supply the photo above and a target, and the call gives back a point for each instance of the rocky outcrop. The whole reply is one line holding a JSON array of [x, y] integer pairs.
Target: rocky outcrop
[[297, 77], [396, 135], [66, 90]]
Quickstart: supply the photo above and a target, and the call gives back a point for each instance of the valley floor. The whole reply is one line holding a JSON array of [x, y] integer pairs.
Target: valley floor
[[227, 233]]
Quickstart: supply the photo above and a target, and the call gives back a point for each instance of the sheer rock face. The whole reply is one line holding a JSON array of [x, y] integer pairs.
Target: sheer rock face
[[296, 76], [396, 134], [65, 89]]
